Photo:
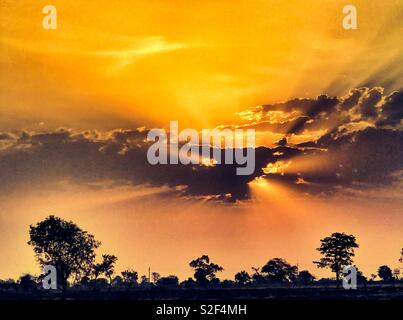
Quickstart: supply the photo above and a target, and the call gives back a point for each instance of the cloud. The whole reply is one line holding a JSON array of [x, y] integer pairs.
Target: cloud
[[298, 114], [392, 110], [142, 48], [301, 115], [120, 156], [370, 156], [150, 46], [362, 148], [351, 99], [364, 159], [369, 101]]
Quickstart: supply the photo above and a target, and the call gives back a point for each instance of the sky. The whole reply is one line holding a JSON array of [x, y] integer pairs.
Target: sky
[[77, 102]]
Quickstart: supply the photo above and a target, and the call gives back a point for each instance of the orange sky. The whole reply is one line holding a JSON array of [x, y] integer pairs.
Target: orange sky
[[146, 62], [276, 223], [125, 64]]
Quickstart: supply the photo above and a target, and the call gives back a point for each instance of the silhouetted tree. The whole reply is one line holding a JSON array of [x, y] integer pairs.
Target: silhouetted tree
[[305, 276], [117, 282], [85, 282], [106, 267], [64, 245], [130, 278], [8, 284], [215, 282], [170, 281], [102, 284], [279, 270], [396, 273], [97, 270], [242, 277], [144, 281], [27, 282], [338, 250], [205, 271], [155, 276], [257, 277], [188, 283], [227, 284], [361, 279], [385, 273]]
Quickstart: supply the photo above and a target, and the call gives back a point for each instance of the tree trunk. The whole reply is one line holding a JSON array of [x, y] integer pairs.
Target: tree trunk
[[94, 286], [63, 277], [338, 279], [110, 284], [64, 288]]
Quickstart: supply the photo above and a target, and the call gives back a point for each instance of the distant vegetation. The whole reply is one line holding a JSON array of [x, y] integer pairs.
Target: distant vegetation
[[71, 250]]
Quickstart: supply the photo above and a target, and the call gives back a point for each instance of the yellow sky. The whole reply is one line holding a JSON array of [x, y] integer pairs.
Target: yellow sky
[[131, 63], [125, 64]]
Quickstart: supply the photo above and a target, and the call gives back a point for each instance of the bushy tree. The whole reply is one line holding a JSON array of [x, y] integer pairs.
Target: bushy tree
[[205, 271], [337, 251], [279, 270], [85, 282], [170, 281], [188, 283], [144, 281], [155, 276], [117, 282], [227, 284], [8, 284], [215, 282], [130, 278], [257, 276], [385, 273], [27, 282], [64, 245], [305, 276], [242, 277]]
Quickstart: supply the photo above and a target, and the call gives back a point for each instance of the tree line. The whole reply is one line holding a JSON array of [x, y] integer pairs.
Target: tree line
[[71, 251]]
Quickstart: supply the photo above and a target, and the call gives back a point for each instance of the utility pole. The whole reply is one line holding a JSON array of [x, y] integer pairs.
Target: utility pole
[[149, 274]]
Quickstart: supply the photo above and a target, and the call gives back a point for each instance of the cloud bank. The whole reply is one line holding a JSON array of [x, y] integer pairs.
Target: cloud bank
[[361, 148]]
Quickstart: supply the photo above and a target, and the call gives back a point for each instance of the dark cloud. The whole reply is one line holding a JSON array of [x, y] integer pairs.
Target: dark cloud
[[308, 110], [370, 156], [307, 107], [351, 99], [282, 142], [54, 156], [392, 110], [284, 127], [350, 154], [369, 101], [6, 136], [129, 136], [359, 104]]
